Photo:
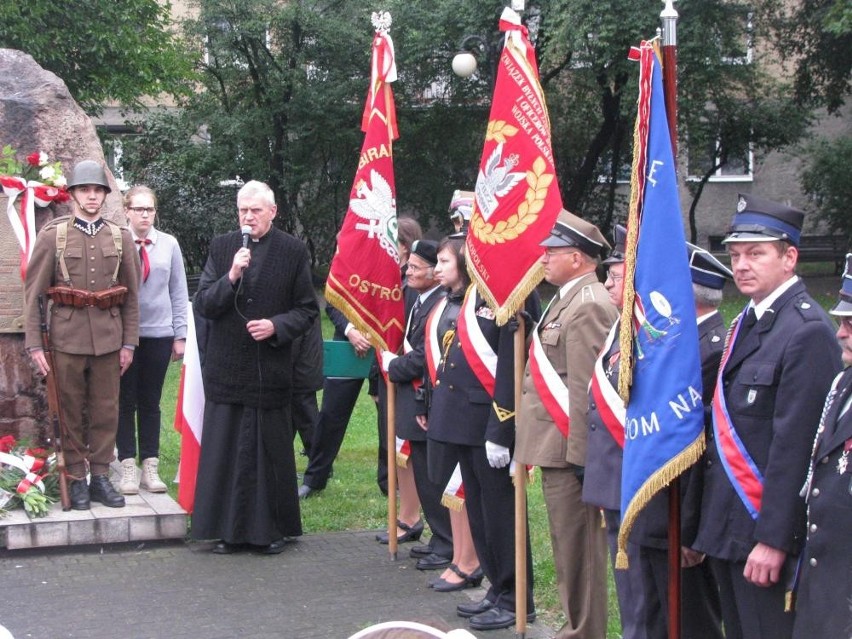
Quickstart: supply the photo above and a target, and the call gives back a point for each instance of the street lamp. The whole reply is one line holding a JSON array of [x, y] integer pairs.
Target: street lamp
[[465, 62]]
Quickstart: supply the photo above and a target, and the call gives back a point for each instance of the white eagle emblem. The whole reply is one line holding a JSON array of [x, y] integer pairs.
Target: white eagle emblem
[[495, 180], [375, 203]]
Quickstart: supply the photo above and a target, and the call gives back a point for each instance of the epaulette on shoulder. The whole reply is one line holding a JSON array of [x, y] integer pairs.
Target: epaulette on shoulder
[[55, 222], [587, 293], [807, 307]]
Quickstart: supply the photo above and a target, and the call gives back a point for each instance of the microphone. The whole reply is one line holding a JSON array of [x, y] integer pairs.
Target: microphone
[[246, 231]]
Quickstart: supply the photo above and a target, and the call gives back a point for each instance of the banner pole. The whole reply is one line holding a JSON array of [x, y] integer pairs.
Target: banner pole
[[668, 18], [520, 497], [391, 427]]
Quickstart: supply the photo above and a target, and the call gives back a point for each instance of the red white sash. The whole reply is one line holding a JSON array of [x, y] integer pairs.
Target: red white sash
[[609, 403], [453, 496], [477, 350], [403, 452], [550, 386], [433, 341], [739, 466]]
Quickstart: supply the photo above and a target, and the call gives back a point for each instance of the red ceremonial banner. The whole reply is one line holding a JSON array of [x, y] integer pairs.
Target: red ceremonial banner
[[517, 197], [364, 280]]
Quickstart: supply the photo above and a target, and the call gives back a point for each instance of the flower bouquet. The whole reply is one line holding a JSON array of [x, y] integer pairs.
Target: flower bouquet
[[39, 182], [27, 478]]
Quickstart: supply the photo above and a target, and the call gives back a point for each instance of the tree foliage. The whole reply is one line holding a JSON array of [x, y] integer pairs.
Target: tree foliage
[[283, 87], [827, 179], [103, 50]]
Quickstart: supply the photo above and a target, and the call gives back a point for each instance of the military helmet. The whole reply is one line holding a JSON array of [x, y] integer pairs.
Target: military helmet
[[89, 172]]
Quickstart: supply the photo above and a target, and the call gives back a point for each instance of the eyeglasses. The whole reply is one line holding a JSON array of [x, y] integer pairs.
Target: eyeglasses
[[612, 276], [142, 210], [846, 323], [416, 269]]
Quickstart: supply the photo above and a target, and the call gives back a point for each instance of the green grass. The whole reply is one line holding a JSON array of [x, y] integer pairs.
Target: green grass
[[352, 500]]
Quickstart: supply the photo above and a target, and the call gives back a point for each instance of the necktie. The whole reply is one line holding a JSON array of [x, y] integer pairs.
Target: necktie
[[415, 315], [143, 255]]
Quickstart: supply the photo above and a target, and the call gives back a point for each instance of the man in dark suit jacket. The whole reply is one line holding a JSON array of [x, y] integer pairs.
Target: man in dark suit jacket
[[701, 618], [779, 365], [825, 582], [407, 372], [338, 401]]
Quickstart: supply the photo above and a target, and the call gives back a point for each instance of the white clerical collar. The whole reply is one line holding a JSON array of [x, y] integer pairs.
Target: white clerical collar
[[760, 309]]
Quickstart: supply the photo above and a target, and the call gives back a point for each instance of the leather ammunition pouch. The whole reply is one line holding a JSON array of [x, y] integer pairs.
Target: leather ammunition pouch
[[80, 298]]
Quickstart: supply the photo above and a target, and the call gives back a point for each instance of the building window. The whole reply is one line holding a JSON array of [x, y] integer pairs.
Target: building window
[[730, 167]]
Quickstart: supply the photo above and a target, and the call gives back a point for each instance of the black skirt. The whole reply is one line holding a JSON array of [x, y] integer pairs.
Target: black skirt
[[246, 490]]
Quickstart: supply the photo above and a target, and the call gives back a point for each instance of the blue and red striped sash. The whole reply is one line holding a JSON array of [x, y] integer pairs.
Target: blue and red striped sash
[[739, 466]]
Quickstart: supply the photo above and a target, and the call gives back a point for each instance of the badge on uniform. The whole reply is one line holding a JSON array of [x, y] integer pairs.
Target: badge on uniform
[[552, 325], [486, 312], [843, 461], [752, 395]]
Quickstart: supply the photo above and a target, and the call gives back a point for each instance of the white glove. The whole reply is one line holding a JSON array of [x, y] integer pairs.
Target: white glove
[[387, 358], [498, 456]]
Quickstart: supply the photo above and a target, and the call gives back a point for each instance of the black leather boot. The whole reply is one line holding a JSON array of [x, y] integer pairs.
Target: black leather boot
[[101, 490], [79, 493]]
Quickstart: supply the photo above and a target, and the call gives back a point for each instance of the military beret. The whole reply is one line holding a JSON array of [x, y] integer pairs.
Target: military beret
[[427, 250]]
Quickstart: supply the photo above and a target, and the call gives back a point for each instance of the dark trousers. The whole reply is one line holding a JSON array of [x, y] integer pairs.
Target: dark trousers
[[88, 390], [141, 389], [382, 422], [701, 612], [338, 402], [305, 415], [490, 501], [430, 493], [749, 611], [628, 583]]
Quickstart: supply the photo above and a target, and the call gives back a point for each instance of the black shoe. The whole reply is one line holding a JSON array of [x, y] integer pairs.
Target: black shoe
[[473, 609], [103, 491], [423, 550], [432, 562], [276, 546], [495, 619], [412, 533], [306, 491], [472, 580], [224, 548], [79, 493]]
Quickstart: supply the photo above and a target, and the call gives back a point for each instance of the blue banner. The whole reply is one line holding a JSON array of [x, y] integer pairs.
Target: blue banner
[[665, 414]]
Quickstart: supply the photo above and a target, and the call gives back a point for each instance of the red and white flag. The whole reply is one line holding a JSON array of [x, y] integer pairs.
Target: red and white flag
[[364, 280], [517, 197], [189, 417]]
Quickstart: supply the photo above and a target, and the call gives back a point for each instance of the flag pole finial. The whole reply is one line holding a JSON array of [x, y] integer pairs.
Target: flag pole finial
[[669, 16], [381, 21]]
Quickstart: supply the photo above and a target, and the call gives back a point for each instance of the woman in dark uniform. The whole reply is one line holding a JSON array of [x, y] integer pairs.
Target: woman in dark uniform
[[464, 571]]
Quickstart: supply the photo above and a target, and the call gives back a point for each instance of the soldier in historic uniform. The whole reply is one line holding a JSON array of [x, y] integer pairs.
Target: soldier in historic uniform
[[701, 618], [777, 368], [825, 578], [89, 268], [552, 434]]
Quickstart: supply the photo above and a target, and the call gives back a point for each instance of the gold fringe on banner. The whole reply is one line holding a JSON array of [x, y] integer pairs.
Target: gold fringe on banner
[[343, 305], [654, 484], [517, 297]]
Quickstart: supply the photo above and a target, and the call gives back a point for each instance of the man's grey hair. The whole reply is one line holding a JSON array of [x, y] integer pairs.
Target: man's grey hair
[[706, 296], [257, 189]]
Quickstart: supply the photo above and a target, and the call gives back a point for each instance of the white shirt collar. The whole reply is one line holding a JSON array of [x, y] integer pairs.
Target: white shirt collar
[[760, 309]]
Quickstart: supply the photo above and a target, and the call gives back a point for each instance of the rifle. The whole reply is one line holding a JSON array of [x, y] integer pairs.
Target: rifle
[[54, 412]]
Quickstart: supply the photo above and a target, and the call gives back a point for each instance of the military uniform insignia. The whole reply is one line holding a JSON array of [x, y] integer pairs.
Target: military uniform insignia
[[486, 312], [715, 339], [552, 326], [805, 306], [843, 462], [752, 395]]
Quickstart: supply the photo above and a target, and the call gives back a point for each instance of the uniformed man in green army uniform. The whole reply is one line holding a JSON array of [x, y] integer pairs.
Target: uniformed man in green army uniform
[[88, 267]]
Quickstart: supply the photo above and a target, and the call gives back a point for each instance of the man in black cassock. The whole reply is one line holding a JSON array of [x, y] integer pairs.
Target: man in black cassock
[[258, 299]]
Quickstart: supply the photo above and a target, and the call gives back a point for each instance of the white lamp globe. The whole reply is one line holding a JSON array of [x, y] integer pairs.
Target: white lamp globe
[[464, 64]]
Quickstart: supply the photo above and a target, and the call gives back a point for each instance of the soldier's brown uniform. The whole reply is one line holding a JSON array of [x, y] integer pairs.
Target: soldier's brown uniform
[[85, 341]]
